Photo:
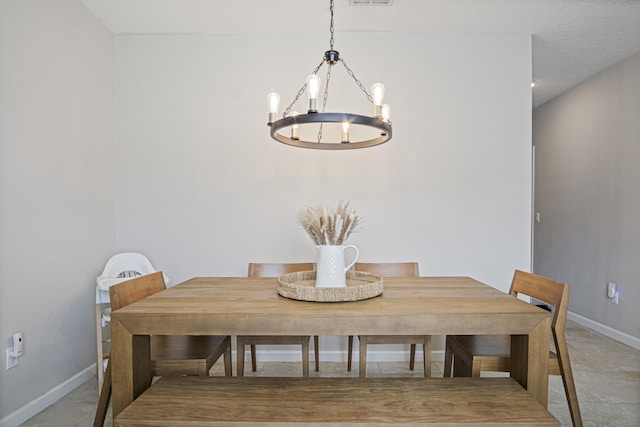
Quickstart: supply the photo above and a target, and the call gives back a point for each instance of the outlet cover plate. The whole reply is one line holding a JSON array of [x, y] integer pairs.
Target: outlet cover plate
[[11, 362]]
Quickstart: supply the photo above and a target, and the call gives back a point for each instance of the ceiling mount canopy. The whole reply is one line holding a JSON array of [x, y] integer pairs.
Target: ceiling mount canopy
[[330, 131]]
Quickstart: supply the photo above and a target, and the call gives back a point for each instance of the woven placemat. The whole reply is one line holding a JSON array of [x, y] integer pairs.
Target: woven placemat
[[302, 286]]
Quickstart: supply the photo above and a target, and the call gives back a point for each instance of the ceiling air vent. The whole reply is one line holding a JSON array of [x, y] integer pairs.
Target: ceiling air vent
[[370, 2]]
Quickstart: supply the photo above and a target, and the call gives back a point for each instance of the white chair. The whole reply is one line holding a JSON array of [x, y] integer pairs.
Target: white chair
[[120, 267], [170, 354]]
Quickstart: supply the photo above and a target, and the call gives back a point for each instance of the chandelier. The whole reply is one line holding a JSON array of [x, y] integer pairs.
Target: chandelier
[[323, 130]]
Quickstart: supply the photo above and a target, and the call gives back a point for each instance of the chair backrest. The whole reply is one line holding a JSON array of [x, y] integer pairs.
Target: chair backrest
[[127, 261], [136, 289], [261, 269], [546, 290], [389, 269], [124, 265]]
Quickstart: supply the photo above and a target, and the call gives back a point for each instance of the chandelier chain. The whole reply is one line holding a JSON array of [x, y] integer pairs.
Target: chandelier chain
[[331, 25], [356, 80], [301, 91], [326, 88], [324, 100]]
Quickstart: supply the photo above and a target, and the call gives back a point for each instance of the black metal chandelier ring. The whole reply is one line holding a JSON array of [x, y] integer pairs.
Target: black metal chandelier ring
[[301, 119], [362, 138]]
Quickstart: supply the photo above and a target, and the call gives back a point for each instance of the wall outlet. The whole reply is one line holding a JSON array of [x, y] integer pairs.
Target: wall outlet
[[611, 290], [10, 361]]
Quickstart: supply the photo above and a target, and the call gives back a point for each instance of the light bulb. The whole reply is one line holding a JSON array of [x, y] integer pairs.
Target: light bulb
[[313, 85], [386, 112], [377, 93], [345, 132], [294, 128], [274, 102]]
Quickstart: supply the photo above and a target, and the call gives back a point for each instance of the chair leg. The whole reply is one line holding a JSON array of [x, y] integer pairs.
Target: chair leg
[[350, 353], [105, 397], [203, 369], [470, 368], [476, 367], [567, 380], [426, 350], [412, 357], [362, 364], [459, 368], [305, 357], [240, 356], [448, 359], [99, 348], [228, 370], [254, 366], [316, 350]]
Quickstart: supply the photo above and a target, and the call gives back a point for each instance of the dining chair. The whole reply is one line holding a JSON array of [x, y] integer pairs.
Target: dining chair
[[170, 355], [257, 269], [391, 269], [469, 355]]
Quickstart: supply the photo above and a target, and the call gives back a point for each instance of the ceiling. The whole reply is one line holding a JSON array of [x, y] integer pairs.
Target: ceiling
[[572, 39]]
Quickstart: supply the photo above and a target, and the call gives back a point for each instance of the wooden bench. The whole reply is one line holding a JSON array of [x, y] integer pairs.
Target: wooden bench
[[220, 401]]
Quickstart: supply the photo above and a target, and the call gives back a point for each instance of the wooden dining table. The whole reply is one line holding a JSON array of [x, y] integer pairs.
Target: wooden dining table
[[252, 306]]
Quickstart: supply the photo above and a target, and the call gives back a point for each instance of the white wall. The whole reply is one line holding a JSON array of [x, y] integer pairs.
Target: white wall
[[57, 204], [203, 190], [587, 175]]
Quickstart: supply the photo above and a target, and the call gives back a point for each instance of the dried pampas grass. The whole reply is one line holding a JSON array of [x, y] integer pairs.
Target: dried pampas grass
[[329, 226]]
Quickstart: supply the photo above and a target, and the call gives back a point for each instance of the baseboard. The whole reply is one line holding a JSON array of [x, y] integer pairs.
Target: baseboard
[[340, 356], [49, 398], [624, 338]]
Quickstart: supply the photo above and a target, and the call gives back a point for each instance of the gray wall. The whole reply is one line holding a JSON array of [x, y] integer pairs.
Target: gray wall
[[57, 203], [587, 190]]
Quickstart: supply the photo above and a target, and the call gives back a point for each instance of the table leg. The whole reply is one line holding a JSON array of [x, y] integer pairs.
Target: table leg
[[131, 367], [530, 361]]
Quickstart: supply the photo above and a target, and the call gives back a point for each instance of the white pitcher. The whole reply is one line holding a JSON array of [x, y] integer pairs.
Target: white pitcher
[[331, 270]]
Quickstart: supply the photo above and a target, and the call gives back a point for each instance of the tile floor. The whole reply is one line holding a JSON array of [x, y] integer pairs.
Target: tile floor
[[607, 375]]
